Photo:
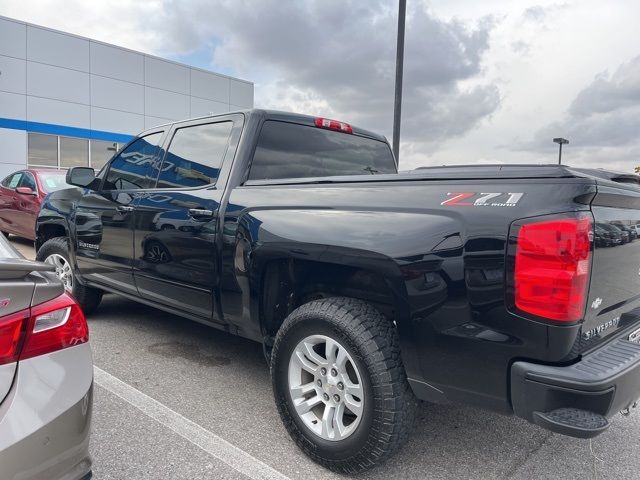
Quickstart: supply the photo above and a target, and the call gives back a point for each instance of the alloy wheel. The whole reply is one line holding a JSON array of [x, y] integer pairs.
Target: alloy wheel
[[326, 387], [63, 270]]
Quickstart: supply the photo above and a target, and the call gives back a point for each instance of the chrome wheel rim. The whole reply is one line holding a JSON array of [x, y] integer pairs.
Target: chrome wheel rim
[[326, 387], [63, 270]]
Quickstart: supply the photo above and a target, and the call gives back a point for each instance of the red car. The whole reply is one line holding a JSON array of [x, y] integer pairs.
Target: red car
[[21, 194]]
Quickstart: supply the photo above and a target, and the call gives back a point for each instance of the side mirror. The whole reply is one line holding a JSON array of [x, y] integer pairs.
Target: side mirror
[[25, 191], [80, 176]]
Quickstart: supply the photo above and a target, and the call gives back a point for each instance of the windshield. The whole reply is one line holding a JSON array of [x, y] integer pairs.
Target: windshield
[[289, 150], [53, 181]]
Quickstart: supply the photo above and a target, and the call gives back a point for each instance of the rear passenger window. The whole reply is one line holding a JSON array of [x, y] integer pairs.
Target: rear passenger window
[[12, 181], [195, 155], [131, 169]]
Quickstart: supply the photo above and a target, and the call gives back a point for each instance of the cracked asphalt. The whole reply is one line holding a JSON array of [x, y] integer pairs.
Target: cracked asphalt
[[221, 383]]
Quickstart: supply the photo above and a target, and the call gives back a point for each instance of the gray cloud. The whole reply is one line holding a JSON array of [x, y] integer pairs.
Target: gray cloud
[[607, 94], [339, 58], [602, 122], [540, 14]]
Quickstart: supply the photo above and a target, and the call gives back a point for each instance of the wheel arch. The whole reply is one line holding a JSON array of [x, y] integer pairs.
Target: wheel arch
[[287, 283], [47, 230]]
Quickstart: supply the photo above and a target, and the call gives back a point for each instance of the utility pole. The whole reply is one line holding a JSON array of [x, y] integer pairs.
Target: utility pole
[[397, 107], [560, 141]]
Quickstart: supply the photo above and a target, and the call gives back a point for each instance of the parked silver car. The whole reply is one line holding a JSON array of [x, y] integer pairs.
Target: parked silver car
[[46, 374]]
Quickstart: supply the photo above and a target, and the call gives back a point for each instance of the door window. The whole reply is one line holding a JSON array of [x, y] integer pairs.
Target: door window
[[28, 181], [130, 169], [12, 181], [195, 155]]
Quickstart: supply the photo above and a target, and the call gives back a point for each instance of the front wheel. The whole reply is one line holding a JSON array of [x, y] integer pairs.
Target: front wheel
[[339, 384], [56, 252]]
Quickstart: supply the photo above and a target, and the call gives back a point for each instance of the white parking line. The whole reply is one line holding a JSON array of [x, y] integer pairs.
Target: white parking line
[[209, 442]]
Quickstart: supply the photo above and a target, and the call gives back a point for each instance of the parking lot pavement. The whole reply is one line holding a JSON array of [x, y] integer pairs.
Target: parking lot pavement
[[219, 385], [24, 246]]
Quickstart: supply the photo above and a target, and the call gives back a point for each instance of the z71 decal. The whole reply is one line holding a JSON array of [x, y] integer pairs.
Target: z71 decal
[[477, 199]]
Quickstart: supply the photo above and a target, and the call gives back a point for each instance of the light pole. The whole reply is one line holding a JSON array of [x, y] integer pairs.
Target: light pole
[[560, 141], [397, 106]]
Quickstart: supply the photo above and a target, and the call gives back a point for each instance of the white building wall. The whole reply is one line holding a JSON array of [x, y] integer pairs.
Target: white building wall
[[63, 80]]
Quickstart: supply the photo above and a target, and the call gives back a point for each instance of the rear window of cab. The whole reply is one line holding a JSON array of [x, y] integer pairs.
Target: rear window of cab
[[290, 150]]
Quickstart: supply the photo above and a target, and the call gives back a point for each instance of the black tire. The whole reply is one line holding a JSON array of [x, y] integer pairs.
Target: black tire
[[89, 298], [389, 404]]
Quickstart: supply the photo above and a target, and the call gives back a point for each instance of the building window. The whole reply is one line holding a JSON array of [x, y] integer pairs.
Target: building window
[[101, 152], [66, 152], [74, 152], [42, 150]]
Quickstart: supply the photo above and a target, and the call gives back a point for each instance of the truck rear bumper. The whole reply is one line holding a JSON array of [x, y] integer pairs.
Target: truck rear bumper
[[576, 400]]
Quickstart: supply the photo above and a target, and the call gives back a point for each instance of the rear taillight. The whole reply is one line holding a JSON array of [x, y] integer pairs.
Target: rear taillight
[[44, 328], [552, 266], [12, 328], [54, 325], [333, 125]]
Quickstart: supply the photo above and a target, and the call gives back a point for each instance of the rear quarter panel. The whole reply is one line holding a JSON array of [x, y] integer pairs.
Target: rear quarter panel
[[443, 263]]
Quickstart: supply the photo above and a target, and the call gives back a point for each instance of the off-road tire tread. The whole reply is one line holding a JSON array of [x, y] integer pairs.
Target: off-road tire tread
[[376, 340], [89, 298]]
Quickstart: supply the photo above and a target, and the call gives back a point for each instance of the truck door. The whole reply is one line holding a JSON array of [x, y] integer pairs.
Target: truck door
[[104, 218], [176, 255]]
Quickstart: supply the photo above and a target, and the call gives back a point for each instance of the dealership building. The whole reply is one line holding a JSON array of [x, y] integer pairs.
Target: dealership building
[[66, 100]]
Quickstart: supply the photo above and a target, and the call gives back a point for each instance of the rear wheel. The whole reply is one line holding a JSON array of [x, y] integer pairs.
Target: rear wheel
[[339, 384], [56, 252]]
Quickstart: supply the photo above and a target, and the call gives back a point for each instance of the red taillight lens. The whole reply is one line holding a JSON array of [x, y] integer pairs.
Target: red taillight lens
[[552, 264], [333, 125], [12, 328], [54, 325]]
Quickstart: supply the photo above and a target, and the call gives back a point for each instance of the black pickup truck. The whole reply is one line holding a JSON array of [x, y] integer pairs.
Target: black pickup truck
[[368, 288]]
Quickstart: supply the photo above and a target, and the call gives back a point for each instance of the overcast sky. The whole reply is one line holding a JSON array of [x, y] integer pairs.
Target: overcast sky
[[485, 82]]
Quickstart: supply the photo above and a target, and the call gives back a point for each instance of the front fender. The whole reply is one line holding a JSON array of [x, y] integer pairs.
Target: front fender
[[55, 214]]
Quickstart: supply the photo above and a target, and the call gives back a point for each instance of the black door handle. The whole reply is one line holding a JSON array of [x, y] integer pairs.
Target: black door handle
[[124, 209], [200, 213]]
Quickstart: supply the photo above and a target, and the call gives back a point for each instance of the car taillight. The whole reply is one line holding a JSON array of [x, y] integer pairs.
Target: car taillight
[[552, 266], [41, 329], [12, 328], [333, 125], [54, 325]]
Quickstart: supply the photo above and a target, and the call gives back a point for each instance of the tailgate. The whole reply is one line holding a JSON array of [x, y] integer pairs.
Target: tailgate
[[613, 306]]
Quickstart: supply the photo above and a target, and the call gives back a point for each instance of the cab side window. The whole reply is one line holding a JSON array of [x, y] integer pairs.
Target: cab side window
[[195, 155], [132, 168]]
